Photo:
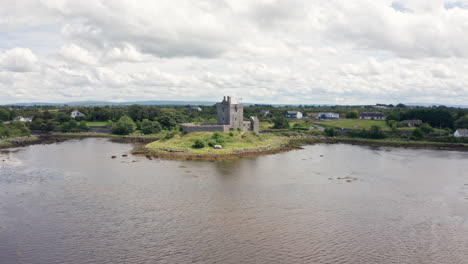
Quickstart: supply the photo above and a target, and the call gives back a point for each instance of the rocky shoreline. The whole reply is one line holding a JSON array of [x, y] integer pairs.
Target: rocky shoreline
[[295, 142], [184, 155]]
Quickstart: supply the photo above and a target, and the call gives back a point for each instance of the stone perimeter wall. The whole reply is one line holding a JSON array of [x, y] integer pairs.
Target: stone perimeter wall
[[190, 128]]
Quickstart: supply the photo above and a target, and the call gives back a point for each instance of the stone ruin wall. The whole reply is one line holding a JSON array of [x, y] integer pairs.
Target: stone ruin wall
[[191, 128]]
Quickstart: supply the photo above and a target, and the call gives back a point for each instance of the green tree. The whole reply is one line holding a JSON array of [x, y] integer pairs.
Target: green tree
[[417, 133], [393, 116], [354, 114], [330, 132], [124, 126], [83, 126], [4, 115], [375, 132], [137, 112], [426, 128], [280, 123], [462, 122], [150, 127]]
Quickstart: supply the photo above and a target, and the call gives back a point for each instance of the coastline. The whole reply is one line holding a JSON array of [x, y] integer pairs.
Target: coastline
[[293, 143]]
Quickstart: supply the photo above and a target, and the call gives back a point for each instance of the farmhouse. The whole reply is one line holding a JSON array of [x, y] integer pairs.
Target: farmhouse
[[293, 114], [230, 117], [372, 116], [266, 113], [76, 113], [22, 119], [461, 133], [412, 123], [195, 108], [330, 115]]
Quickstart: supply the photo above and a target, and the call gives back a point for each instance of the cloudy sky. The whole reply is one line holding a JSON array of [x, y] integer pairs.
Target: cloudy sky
[[265, 51]]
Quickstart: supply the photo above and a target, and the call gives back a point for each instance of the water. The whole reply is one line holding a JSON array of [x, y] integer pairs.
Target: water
[[71, 203]]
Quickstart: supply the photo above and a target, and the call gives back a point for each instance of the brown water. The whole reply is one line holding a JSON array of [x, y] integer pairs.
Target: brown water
[[71, 203]]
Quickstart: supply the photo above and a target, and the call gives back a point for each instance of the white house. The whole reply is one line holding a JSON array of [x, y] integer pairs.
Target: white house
[[412, 123], [22, 119], [372, 116], [294, 114], [195, 108], [461, 133], [76, 113], [329, 116]]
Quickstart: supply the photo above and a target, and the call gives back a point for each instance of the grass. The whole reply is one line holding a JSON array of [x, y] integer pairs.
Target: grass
[[97, 123], [269, 126], [354, 123], [239, 141]]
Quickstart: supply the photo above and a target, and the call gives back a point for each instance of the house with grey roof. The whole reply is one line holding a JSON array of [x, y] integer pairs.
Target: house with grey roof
[[77, 113], [372, 116], [411, 123], [324, 116], [461, 133], [293, 114]]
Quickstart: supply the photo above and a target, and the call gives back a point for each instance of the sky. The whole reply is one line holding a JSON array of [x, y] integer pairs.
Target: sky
[[262, 51]]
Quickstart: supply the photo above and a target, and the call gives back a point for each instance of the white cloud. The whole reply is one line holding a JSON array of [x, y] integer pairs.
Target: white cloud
[[77, 54], [337, 51], [17, 60]]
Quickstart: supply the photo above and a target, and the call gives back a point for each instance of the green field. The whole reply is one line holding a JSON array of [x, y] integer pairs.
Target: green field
[[97, 123], [354, 123], [238, 141]]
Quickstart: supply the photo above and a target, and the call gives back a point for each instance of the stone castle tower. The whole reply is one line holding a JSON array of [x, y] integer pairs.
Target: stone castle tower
[[230, 112], [230, 117]]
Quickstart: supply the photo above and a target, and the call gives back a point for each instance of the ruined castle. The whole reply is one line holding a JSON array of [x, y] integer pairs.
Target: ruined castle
[[230, 117]]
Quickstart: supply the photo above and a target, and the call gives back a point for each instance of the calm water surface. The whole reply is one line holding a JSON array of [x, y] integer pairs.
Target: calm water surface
[[71, 203]]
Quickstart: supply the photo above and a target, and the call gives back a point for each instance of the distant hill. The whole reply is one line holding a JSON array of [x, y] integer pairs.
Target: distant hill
[[103, 103], [179, 103]]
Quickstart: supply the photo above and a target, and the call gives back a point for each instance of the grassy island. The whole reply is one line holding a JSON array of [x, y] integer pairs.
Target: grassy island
[[202, 144]]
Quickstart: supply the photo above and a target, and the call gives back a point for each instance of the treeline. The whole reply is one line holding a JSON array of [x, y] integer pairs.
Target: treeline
[[16, 129], [51, 117]]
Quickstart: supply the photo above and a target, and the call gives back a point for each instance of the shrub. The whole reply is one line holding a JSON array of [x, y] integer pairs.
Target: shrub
[[198, 144], [150, 127], [280, 123], [426, 128], [352, 114], [375, 132], [124, 126], [417, 134], [330, 132], [216, 139]]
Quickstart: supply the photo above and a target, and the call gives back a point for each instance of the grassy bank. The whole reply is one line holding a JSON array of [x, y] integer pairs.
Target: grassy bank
[[96, 123], [233, 143], [19, 142]]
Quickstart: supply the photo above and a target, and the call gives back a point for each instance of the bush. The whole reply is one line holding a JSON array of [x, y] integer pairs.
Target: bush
[[15, 129], [124, 126], [352, 114], [375, 132], [417, 134], [150, 127], [280, 123], [216, 139], [330, 132], [426, 128], [171, 134], [198, 144]]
